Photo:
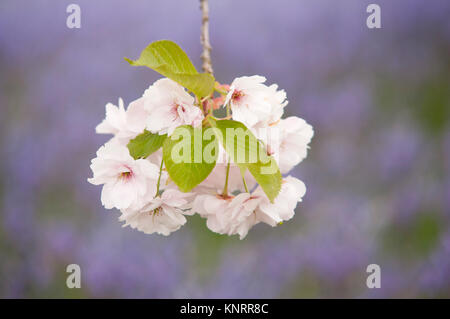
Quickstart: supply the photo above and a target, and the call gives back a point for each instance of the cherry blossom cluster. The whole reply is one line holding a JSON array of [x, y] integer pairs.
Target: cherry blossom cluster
[[231, 202]]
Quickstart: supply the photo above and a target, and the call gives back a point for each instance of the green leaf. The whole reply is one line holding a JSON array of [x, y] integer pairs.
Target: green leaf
[[145, 144], [190, 156], [248, 153], [168, 59]]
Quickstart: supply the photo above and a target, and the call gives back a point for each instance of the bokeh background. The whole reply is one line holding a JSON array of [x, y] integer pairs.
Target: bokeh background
[[378, 172]]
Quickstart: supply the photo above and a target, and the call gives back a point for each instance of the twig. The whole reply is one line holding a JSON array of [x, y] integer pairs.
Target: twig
[[204, 39]]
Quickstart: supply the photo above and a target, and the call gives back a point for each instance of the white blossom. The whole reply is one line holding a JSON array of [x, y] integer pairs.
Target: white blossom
[[227, 214], [283, 207], [136, 117], [254, 103], [163, 214], [237, 214], [123, 124], [169, 106], [125, 181], [287, 141], [115, 120]]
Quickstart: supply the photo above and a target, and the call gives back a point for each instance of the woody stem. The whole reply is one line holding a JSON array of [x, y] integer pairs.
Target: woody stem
[[204, 38]]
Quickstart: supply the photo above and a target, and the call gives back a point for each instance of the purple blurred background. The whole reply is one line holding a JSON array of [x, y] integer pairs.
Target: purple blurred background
[[378, 172]]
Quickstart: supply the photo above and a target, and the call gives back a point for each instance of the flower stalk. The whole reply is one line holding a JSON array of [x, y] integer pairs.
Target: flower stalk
[[158, 184], [225, 187], [245, 184]]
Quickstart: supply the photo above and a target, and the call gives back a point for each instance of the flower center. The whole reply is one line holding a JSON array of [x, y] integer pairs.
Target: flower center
[[224, 196], [237, 95], [177, 107], [126, 175], [270, 151], [156, 212]]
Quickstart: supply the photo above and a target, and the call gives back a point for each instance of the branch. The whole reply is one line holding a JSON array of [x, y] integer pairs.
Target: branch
[[204, 39]]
